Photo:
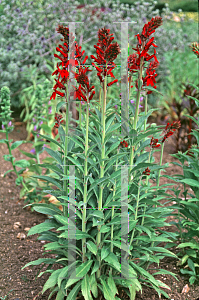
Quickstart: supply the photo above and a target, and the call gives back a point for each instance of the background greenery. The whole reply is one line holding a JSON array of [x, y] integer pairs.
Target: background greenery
[[172, 38]]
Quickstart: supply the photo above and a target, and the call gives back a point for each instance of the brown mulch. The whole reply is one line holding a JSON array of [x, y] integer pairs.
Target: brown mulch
[[15, 252]]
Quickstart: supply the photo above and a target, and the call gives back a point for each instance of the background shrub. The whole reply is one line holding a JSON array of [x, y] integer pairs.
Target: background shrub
[[29, 35]]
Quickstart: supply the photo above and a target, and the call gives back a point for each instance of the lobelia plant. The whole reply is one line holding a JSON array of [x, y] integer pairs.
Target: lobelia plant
[[101, 184]]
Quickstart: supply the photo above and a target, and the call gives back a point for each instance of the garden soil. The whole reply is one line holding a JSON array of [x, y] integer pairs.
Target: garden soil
[[17, 249]]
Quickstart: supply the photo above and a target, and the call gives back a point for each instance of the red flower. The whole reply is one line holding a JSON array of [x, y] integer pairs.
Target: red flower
[[170, 128], [195, 48], [64, 74], [150, 27], [84, 86], [124, 144], [154, 144], [106, 53], [134, 60], [146, 172], [58, 119]]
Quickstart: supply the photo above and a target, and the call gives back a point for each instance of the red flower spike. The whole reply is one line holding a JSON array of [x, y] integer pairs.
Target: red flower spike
[[58, 118], [110, 83], [170, 128], [84, 86], [150, 27], [106, 53]]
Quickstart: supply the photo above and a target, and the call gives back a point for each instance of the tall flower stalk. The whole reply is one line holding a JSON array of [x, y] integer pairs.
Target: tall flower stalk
[[107, 52], [64, 74], [83, 92], [136, 64]]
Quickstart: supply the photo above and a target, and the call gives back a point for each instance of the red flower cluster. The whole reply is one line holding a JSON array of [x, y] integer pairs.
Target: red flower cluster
[[84, 85], [64, 74], [106, 53], [195, 48], [124, 144], [170, 128], [141, 49], [65, 62], [58, 119], [154, 144], [146, 172]]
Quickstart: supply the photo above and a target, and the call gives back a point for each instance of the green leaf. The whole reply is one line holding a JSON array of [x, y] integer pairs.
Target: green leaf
[[8, 172], [46, 128], [76, 163], [113, 128], [59, 105], [64, 273], [112, 259], [96, 213], [104, 252], [51, 167], [92, 247], [60, 295], [112, 285], [162, 271], [191, 265], [191, 245], [3, 141], [22, 163], [150, 88], [7, 157], [106, 290], [47, 209], [190, 182], [81, 271], [45, 226], [104, 229], [40, 261], [16, 144], [52, 280], [93, 285], [50, 139], [63, 220], [62, 134], [96, 267], [109, 122], [27, 154], [55, 154], [85, 288], [78, 235], [19, 180], [73, 293], [49, 179], [76, 141]]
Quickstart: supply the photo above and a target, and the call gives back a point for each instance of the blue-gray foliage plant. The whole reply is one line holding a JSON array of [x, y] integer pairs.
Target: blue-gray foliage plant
[[28, 35]]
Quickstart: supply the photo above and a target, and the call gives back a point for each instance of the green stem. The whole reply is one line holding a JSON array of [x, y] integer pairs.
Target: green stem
[[85, 185], [65, 156], [137, 110], [102, 166], [114, 191], [136, 211], [80, 114], [161, 157], [145, 110]]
